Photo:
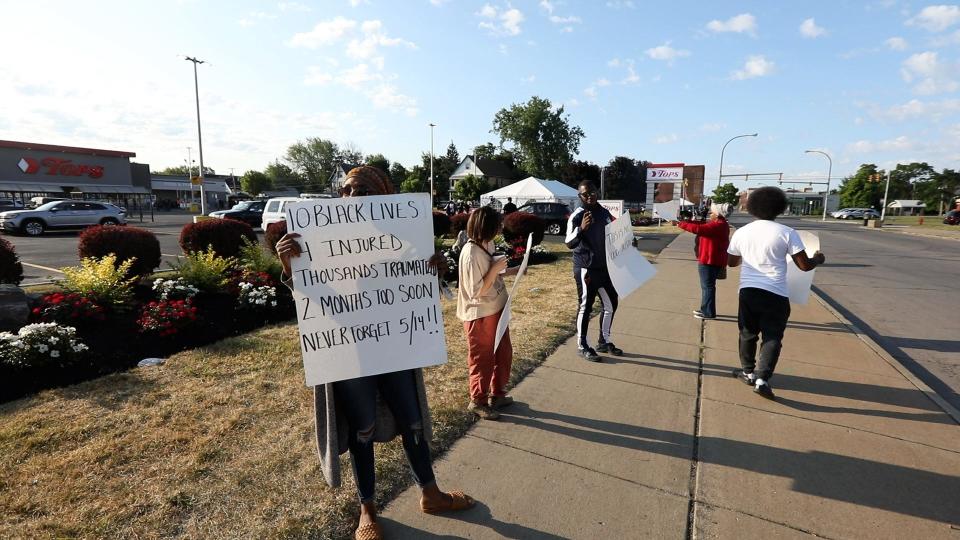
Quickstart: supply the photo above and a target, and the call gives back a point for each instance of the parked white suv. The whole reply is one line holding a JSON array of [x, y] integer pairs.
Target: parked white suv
[[273, 211], [61, 215]]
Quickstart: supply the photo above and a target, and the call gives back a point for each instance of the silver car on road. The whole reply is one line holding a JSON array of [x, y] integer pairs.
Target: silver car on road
[[61, 215]]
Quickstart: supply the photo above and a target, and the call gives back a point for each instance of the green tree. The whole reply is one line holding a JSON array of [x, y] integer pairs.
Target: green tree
[[378, 161], [283, 176], [314, 159], [469, 188], [939, 191], [543, 140], [864, 189], [905, 178], [181, 170], [621, 178], [576, 171], [398, 173], [414, 183], [726, 194], [255, 182]]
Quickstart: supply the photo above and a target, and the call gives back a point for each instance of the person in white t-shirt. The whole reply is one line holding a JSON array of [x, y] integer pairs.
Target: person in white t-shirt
[[762, 248]]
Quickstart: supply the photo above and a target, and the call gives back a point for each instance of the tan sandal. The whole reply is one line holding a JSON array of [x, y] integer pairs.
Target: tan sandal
[[370, 531], [458, 501]]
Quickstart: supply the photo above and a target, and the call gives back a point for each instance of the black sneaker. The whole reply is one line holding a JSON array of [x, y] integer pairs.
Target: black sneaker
[[743, 376], [764, 390], [609, 348], [589, 355]]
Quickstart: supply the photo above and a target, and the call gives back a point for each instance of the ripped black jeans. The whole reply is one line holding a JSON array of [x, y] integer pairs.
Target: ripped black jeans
[[357, 398]]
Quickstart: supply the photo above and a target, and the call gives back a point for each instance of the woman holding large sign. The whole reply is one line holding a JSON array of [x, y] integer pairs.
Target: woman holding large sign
[[347, 415]]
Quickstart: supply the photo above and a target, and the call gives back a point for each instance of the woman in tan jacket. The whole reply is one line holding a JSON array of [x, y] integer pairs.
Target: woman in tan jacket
[[480, 302]]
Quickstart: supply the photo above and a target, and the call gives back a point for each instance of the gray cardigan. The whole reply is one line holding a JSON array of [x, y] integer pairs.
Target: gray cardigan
[[333, 432]]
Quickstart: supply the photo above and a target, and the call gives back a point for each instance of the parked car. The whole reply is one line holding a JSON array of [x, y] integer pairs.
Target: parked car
[[555, 214], [860, 213], [10, 204], [838, 213], [273, 211], [249, 212], [36, 202], [952, 218], [61, 215]]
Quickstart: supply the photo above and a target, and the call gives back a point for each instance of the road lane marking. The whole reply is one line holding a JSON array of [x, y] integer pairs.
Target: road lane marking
[[41, 267]]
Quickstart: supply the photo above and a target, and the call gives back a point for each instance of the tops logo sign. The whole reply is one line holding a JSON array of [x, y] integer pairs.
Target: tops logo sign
[[665, 173], [57, 166]]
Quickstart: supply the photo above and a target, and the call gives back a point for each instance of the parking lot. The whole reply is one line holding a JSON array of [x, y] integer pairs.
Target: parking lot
[[43, 256]]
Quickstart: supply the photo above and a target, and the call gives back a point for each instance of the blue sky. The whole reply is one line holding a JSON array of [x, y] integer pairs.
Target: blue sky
[[871, 82]]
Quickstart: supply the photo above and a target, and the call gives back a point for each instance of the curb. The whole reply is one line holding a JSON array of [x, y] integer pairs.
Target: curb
[[919, 384], [910, 233]]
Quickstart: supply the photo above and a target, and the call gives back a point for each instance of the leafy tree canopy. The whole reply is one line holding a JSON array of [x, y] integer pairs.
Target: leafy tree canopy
[[378, 161], [181, 170], [726, 194], [255, 182], [315, 159], [469, 188], [543, 140]]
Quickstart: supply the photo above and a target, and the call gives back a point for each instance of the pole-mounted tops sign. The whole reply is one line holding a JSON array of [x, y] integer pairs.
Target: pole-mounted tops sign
[[665, 174], [58, 166]]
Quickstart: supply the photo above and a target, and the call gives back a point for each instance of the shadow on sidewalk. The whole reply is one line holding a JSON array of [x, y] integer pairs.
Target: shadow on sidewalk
[[478, 515], [862, 482]]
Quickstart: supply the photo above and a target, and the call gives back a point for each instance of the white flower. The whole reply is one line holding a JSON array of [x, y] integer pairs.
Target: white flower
[[53, 339], [54, 354], [42, 347]]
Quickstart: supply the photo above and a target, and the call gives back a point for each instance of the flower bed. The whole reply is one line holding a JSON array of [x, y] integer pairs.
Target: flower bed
[[103, 321], [514, 251]]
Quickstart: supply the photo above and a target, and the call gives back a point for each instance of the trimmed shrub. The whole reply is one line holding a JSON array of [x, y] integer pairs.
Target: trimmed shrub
[[11, 271], [224, 236], [126, 243], [517, 225], [441, 224], [458, 222], [273, 234]]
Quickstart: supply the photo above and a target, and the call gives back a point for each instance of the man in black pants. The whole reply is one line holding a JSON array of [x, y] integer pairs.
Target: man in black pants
[[762, 247], [587, 239]]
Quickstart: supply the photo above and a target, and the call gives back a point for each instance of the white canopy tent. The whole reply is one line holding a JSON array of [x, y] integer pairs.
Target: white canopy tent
[[533, 190]]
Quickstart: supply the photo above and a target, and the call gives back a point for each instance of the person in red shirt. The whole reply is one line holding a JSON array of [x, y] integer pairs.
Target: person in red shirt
[[713, 237]]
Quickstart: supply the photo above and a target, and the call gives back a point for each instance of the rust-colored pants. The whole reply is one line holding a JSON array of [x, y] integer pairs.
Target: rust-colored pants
[[489, 371]]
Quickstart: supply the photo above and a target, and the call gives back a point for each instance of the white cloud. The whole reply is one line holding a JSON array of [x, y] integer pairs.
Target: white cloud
[[632, 77], [621, 4], [324, 33], [386, 96], [438, 3], [316, 76], [373, 38], [505, 22], [613, 63], [573, 102], [293, 7], [916, 109], [932, 75], [355, 3], [529, 79], [809, 29], [898, 144], [947, 40], [896, 44], [666, 139], [936, 18], [590, 92], [254, 16], [755, 66], [666, 53], [713, 127], [603, 81], [739, 24]]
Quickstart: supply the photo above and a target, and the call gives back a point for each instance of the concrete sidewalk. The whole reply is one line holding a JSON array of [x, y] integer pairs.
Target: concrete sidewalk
[[664, 443]]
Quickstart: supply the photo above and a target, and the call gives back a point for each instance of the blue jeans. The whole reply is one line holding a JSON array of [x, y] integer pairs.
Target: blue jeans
[[708, 289], [357, 398]]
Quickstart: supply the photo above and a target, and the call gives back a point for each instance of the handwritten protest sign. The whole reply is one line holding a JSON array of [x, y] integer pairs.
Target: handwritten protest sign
[[628, 268], [367, 301], [798, 281], [505, 316]]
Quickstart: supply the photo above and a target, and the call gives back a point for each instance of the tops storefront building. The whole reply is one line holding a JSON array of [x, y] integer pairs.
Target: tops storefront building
[[31, 170]]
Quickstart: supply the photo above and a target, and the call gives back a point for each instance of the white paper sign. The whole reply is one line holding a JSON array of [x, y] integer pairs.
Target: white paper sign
[[504, 321], [614, 207], [367, 302], [798, 281], [667, 210], [628, 268]]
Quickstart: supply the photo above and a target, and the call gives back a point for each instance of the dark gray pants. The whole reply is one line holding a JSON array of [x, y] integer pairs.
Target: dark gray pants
[[762, 316]]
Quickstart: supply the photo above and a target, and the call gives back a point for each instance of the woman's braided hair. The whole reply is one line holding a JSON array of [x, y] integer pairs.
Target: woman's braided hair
[[373, 175]]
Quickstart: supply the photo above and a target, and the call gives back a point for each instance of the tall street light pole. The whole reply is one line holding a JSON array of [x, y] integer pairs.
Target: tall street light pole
[[886, 193], [196, 91], [720, 177], [829, 174], [432, 125]]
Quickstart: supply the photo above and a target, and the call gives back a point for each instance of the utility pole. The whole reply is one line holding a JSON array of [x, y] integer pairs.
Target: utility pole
[[432, 125], [886, 192], [196, 91], [193, 195]]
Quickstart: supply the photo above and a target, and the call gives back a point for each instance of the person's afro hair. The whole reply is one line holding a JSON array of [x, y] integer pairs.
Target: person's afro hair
[[767, 202]]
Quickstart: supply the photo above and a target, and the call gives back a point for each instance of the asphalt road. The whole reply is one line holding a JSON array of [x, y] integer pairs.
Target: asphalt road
[[43, 256], [901, 289]]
